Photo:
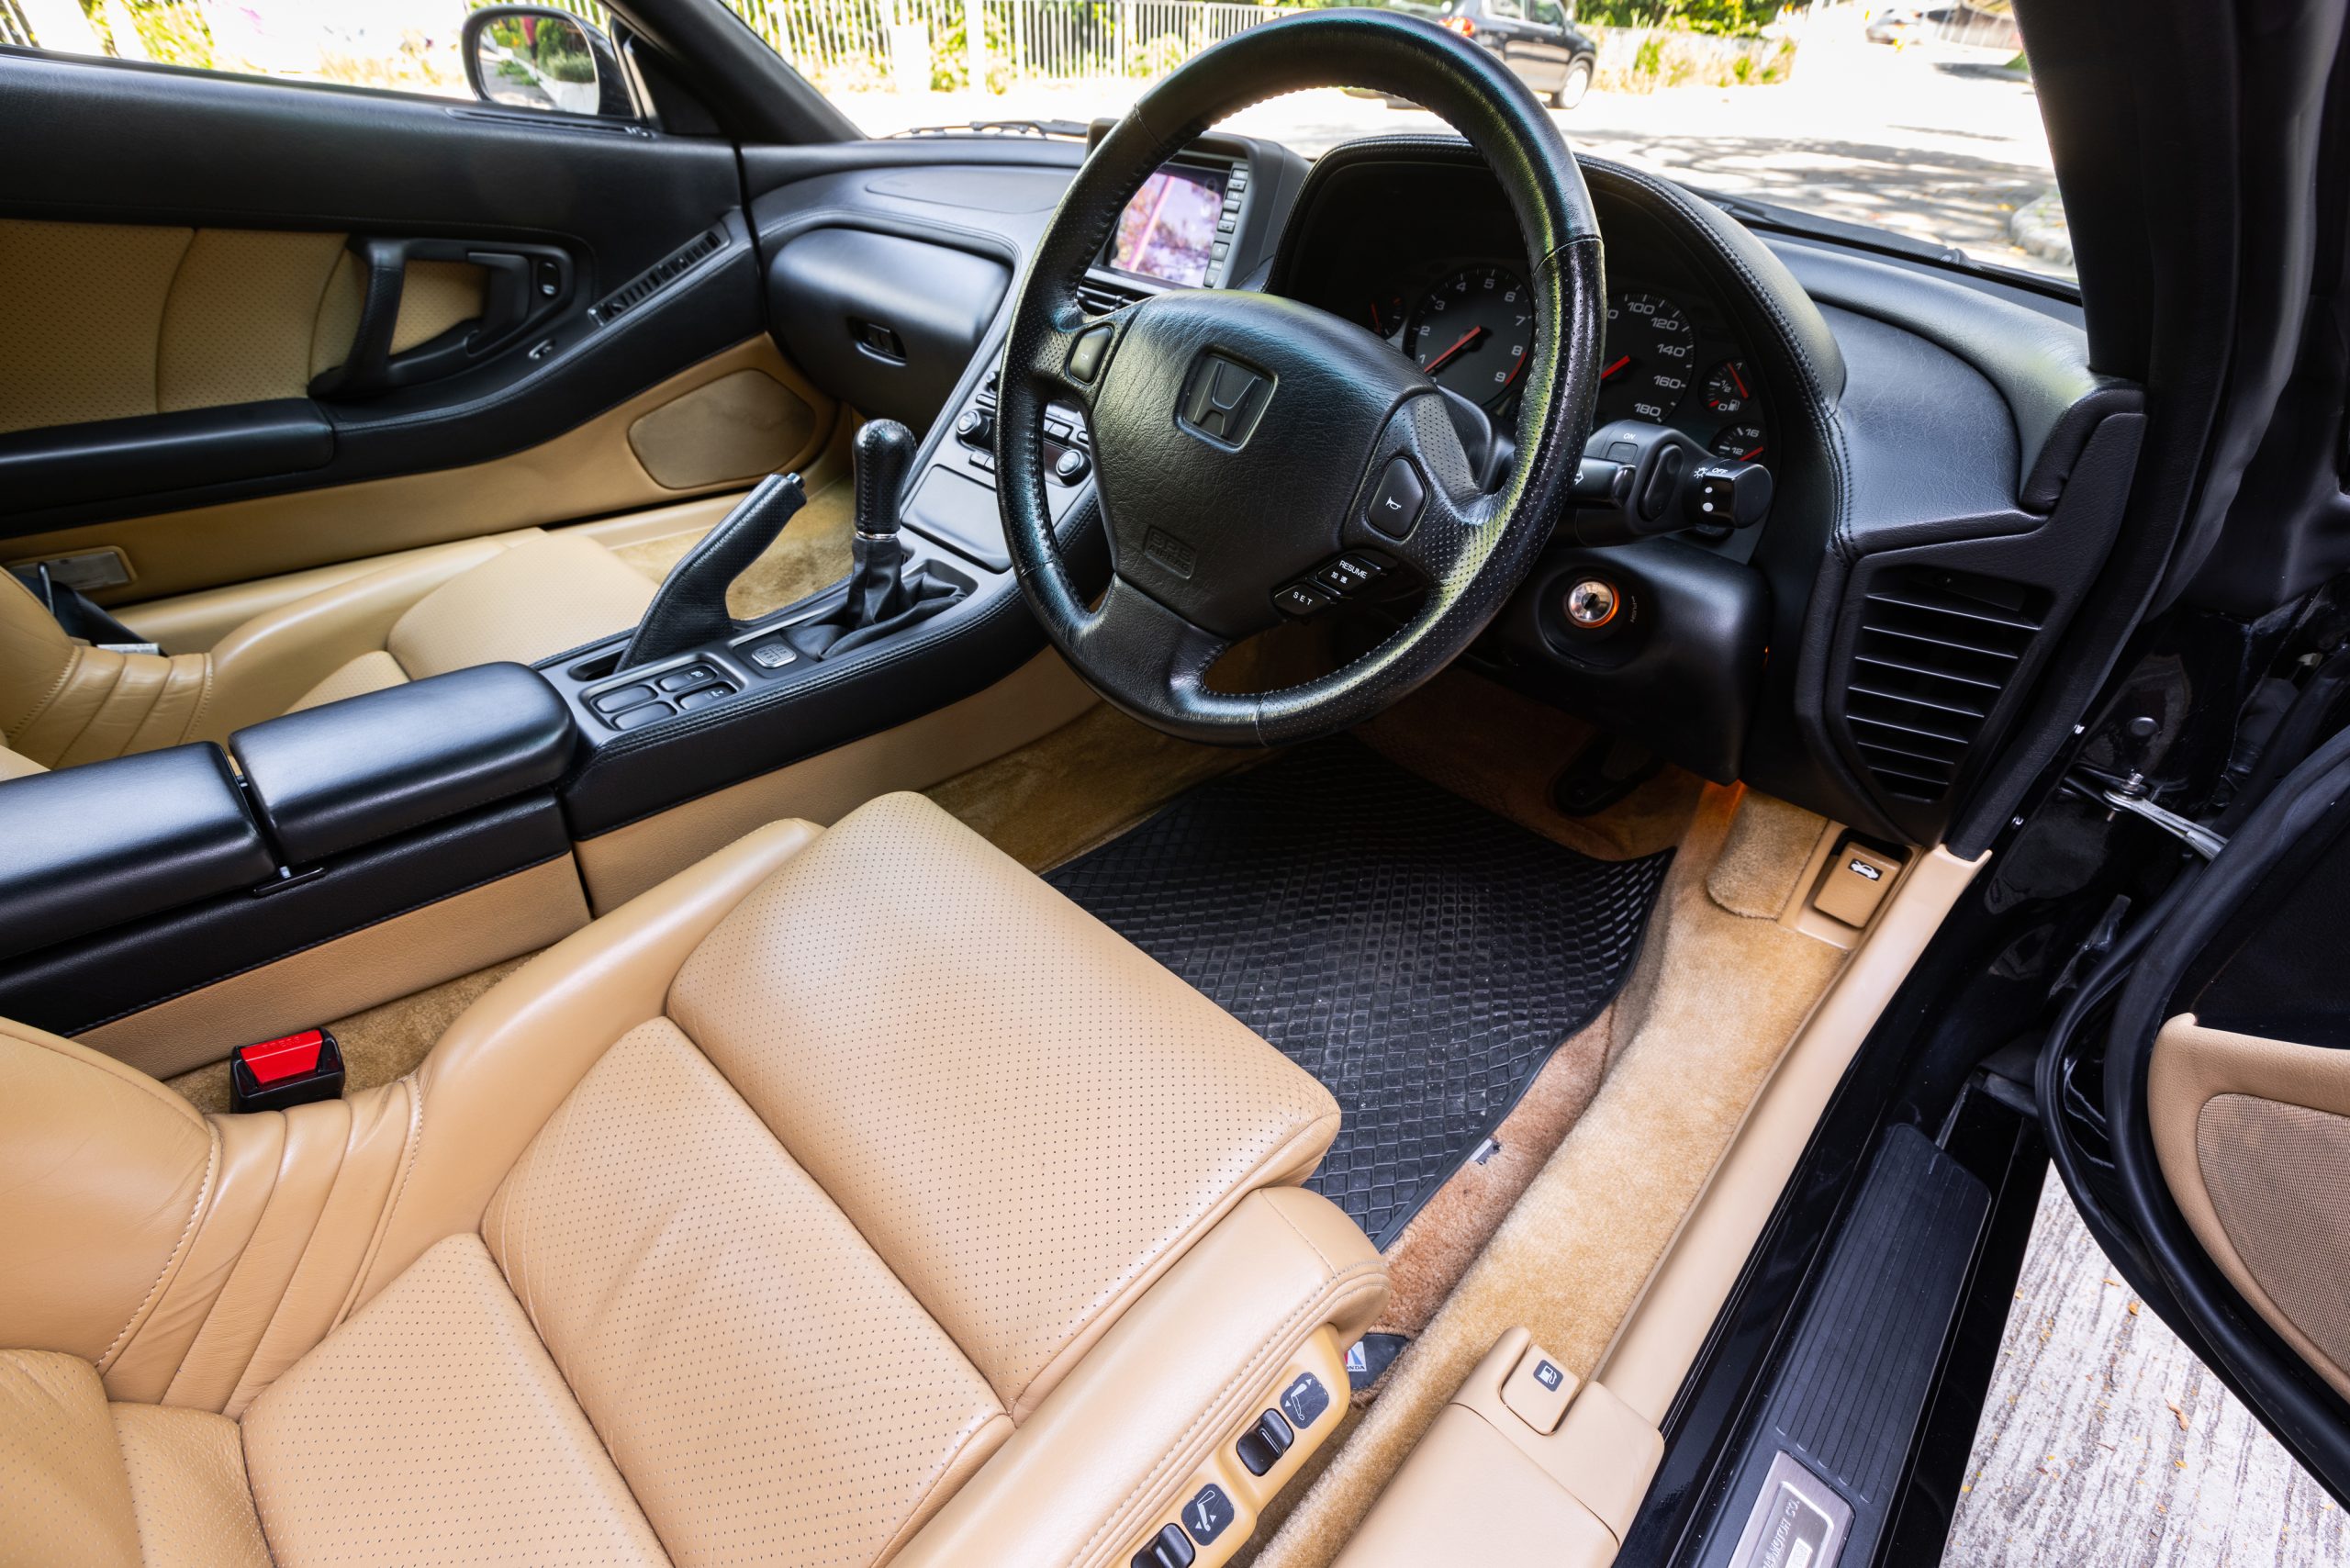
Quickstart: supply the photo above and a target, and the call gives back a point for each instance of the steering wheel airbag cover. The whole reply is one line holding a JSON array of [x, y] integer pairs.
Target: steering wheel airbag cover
[[1149, 643]]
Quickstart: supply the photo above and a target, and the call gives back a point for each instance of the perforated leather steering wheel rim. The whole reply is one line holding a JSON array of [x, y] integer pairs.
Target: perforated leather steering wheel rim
[[1146, 643]]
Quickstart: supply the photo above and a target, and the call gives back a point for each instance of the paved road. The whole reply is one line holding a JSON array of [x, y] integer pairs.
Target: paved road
[[1940, 142], [2105, 1444]]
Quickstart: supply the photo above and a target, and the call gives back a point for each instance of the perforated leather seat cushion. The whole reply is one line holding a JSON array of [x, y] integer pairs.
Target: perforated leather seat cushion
[[794, 1260]]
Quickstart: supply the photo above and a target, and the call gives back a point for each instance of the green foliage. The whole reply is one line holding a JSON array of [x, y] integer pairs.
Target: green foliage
[[1733, 18], [172, 32]]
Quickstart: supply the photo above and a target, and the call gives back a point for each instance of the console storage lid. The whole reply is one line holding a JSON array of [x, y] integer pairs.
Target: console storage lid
[[331, 779], [91, 846]]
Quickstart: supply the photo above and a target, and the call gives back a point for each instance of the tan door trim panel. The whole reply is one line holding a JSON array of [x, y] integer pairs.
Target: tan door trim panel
[[589, 471], [1666, 1328], [2249, 1131]]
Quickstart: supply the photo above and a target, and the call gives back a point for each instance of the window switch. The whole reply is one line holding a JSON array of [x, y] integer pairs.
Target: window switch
[[1170, 1548], [1261, 1445]]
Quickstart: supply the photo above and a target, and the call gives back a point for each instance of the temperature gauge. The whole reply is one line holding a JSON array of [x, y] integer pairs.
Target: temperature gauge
[[1744, 441]]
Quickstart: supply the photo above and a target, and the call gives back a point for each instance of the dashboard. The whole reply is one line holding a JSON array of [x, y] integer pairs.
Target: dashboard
[[1943, 472]]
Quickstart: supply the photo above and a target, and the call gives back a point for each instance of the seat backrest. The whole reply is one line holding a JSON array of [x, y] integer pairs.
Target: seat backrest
[[63, 702]]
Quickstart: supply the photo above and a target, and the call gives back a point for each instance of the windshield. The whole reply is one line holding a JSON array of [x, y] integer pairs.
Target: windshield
[[1921, 121]]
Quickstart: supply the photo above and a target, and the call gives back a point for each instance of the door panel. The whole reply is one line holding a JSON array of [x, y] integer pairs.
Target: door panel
[[200, 250], [592, 469], [2197, 1099], [118, 321], [2253, 1136]]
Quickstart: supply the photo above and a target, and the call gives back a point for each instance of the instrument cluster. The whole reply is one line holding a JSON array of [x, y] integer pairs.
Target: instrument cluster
[[1670, 360]]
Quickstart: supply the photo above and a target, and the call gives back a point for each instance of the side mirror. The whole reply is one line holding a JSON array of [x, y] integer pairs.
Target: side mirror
[[535, 57]]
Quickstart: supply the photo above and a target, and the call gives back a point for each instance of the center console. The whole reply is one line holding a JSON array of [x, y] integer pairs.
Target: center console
[[1207, 220]]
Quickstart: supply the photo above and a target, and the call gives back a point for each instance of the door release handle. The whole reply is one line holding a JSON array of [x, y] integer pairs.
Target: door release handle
[[523, 284]]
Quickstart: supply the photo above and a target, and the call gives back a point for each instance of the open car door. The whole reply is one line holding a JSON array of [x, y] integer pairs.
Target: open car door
[[2197, 1097]]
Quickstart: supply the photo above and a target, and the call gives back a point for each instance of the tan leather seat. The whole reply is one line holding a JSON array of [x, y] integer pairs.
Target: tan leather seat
[[850, 1197], [524, 598]]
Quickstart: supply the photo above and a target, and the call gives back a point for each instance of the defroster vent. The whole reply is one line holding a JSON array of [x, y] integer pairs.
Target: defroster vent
[[1934, 652]]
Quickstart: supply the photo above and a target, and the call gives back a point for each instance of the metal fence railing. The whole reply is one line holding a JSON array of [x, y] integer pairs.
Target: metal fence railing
[[918, 44]]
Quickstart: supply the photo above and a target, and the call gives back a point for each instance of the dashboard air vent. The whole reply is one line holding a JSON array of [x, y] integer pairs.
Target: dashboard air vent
[[1100, 299], [657, 277], [1934, 651]]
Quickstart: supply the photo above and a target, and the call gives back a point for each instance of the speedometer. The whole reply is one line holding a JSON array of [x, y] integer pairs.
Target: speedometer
[[1473, 331], [1647, 368]]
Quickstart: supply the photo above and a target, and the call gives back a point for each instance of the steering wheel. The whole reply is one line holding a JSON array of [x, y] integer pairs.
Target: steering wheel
[[1243, 441]]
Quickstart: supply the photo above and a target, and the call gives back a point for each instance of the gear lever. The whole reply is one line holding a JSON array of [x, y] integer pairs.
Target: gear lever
[[689, 608], [877, 583], [885, 594]]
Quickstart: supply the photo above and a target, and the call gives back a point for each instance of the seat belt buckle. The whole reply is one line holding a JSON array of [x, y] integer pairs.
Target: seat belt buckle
[[292, 1070]]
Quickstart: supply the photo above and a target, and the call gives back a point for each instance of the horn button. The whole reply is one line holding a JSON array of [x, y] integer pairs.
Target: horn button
[[1230, 433]]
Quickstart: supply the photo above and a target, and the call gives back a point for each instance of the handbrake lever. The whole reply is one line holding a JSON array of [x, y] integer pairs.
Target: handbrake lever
[[689, 608]]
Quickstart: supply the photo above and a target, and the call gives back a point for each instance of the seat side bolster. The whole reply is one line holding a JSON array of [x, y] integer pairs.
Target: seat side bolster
[[107, 1173], [267, 664], [499, 1072], [64, 1494], [1116, 1446]]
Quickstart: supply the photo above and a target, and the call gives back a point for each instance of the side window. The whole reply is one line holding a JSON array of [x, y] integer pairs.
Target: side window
[[1548, 13], [553, 57], [1506, 9]]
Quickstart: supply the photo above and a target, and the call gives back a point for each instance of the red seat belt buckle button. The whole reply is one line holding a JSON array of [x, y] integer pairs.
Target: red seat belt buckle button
[[292, 1070]]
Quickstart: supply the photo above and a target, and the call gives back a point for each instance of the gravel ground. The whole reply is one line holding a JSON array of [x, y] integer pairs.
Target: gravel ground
[[1937, 141], [2105, 1443]]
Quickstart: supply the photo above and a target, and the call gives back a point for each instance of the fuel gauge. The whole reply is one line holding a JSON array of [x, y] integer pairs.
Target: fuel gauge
[[1729, 388]]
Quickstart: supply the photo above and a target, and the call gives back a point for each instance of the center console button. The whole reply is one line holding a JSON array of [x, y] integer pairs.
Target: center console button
[[637, 718], [1070, 467], [621, 697]]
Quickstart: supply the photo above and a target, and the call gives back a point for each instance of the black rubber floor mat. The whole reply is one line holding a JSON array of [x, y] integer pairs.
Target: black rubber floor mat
[[1420, 956]]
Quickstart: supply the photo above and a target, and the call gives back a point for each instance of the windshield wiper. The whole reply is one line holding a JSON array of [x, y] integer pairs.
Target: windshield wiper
[[1070, 128], [1886, 241]]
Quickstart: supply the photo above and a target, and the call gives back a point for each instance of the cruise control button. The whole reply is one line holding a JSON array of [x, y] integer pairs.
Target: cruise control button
[[1301, 598], [1398, 502], [1345, 576]]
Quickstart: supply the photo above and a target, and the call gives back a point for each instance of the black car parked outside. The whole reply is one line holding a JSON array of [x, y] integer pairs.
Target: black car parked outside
[[1534, 39]]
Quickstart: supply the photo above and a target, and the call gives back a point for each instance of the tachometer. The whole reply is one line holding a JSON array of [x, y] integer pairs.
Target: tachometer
[[1647, 368], [1473, 331]]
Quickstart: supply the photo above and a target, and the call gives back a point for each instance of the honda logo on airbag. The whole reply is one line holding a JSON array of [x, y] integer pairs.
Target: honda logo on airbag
[[1224, 399]]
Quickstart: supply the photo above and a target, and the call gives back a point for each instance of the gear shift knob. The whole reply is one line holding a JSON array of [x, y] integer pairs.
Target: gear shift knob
[[884, 450]]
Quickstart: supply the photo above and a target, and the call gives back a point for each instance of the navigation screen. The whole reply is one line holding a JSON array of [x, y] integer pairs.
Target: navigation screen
[[1168, 229]]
